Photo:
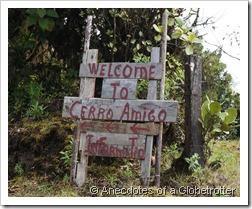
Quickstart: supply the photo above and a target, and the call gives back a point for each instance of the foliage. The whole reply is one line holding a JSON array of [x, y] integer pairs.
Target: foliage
[[36, 111], [194, 165], [181, 31], [216, 122], [19, 170], [66, 154]]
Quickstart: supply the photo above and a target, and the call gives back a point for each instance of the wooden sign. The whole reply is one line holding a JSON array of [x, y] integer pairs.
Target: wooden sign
[[117, 127], [151, 71], [119, 88], [114, 145], [123, 110]]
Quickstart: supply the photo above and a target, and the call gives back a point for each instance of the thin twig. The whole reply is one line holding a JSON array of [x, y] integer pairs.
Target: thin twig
[[220, 47]]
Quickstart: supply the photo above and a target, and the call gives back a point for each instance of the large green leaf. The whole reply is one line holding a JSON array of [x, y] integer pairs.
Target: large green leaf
[[215, 107], [31, 21], [179, 21], [31, 11], [43, 23], [232, 114], [176, 35], [52, 13], [41, 12]]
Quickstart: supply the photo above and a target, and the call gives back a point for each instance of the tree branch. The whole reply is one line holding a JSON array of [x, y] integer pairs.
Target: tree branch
[[220, 47], [196, 18]]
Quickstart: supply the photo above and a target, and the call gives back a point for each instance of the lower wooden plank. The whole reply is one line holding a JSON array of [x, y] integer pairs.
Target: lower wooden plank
[[115, 145], [117, 127]]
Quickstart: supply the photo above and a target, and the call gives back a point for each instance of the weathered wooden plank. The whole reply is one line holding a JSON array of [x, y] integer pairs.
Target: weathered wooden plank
[[119, 88], [152, 95], [117, 127], [122, 70], [123, 110], [115, 145]]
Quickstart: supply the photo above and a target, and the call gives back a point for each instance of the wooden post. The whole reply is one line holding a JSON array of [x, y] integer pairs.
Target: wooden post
[[161, 96], [193, 99], [87, 87], [152, 95]]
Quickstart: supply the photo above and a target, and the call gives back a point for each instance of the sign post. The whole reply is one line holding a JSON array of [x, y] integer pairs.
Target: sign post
[[161, 95], [117, 124]]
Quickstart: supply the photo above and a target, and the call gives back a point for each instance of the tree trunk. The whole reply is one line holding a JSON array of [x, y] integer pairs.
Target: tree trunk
[[193, 99]]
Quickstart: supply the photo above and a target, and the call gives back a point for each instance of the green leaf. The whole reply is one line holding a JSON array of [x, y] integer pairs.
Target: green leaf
[[157, 28], [225, 127], [204, 109], [197, 41], [50, 24], [148, 42], [179, 21], [138, 46], [171, 21], [223, 115], [189, 50], [157, 38], [52, 13], [43, 23], [110, 45], [140, 33], [232, 114], [31, 11], [41, 12], [176, 35], [149, 48], [191, 37], [168, 38], [215, 107], [184, 37], [144, 42], [31, 21], [132, 41]]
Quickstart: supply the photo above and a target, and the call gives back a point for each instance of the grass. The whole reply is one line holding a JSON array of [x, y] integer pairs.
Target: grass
[[222, 170]]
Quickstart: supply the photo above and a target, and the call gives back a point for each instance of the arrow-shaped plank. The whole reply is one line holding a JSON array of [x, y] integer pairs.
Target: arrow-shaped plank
[[137, 128], [85, 126], [118, 127], [111, 127]]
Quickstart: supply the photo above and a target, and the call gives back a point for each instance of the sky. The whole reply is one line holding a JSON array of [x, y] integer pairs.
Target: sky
[[226, 22]]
